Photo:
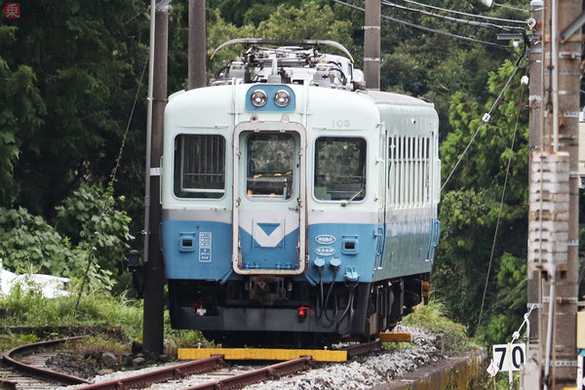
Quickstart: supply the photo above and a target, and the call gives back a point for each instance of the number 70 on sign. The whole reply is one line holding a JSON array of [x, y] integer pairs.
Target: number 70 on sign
[[509, 357]]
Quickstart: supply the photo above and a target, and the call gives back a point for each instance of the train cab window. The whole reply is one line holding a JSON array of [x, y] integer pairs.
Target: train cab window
[[199, 166], [340, 168], [270, 166]]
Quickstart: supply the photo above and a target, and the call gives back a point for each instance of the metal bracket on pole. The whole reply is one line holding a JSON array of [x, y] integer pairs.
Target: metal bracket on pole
[[572, 29], [564, 363], [570, 55], [164, 6]]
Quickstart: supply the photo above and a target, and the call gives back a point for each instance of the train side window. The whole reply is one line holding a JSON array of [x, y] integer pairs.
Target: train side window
[[270, 166], [340, 168], [199, 166]]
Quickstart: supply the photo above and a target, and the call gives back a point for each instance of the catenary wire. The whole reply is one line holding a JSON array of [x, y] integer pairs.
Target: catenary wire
[[466, 13], [416, 26], [484, 120], [510, 7], [487, 277], [452, 19]]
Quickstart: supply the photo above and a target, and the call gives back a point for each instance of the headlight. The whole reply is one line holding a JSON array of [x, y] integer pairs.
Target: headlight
[[258, 98], [281, 98]]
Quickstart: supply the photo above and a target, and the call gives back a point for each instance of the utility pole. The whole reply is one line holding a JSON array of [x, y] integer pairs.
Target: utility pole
[[153, 319], [554, 191], [372, 45], [197, 45], [531, 370]]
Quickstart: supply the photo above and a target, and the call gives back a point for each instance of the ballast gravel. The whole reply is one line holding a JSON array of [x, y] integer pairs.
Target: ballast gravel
[[362, 372], [367, 371]]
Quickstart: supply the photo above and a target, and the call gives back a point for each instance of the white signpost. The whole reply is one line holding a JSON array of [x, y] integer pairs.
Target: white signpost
[[508, 357]]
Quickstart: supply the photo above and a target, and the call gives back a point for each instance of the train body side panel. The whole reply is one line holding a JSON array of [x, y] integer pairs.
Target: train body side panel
[[410, 202]]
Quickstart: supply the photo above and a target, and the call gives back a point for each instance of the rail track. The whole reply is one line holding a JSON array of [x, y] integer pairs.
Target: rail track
[[233, 378], [23, 367], [28, 372]]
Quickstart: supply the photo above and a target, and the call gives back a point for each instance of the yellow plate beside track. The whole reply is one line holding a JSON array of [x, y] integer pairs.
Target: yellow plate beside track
[[262, 354], [395, 337]]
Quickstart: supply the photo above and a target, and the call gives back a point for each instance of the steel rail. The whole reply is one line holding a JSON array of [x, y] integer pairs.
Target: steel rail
[[271, 372], [7, 384], [198, 366], [38, 371], [362, 348]]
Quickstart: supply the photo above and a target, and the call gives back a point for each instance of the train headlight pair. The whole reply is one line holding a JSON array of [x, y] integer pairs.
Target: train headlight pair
[[259, 98]]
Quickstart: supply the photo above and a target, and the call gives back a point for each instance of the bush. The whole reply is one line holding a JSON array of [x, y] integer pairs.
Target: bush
[[433, 318], [90, 218], [29, 245]]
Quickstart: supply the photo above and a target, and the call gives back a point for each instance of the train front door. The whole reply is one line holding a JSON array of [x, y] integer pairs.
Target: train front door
[[269, 199]]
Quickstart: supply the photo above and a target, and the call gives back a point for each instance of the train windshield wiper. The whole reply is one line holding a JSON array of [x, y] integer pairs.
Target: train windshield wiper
[[352, 198]]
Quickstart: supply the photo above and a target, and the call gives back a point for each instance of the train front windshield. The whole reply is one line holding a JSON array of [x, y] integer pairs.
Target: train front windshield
[[340, 168], [270, 165]]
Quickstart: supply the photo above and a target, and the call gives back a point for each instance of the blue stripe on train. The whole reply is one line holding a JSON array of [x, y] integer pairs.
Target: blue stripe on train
[[197, 250], [202, 250]]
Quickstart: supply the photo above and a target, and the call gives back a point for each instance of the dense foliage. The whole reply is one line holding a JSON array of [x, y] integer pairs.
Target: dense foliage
[[69, 72]]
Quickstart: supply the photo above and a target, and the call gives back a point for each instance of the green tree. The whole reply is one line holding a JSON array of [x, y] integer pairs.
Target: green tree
[[77, 63], [21, 114], [471, 206]]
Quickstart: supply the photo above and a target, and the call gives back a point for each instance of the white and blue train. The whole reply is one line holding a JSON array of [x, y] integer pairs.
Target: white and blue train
[[298, 207]]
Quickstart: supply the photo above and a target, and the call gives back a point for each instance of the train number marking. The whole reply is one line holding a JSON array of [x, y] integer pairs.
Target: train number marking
[[340, 123]]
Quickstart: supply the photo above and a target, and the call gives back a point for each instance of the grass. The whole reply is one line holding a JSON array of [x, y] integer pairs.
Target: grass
[[434, 318], [27, 308]]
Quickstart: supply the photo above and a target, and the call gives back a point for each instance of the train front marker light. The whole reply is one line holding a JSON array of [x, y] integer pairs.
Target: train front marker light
[[258, 98], [281, 98]]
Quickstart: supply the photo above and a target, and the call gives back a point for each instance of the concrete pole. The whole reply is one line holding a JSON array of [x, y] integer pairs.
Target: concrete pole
[[153, 319], [535, 104], [197, 45], [563, 66], [372, 45]]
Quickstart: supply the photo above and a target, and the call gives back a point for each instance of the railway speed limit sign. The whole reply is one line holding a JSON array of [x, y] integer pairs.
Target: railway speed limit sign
[[509, 357]]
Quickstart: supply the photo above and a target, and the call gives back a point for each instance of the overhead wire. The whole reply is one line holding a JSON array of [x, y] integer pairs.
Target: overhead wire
[[465, 13], [487, 278], [452, 19], [428, 29], [510, 7], [484, 120]]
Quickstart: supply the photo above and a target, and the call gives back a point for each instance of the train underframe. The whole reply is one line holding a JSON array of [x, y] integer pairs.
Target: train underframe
[[269, 310]]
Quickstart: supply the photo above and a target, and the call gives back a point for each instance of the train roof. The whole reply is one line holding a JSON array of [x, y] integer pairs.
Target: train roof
[[395, 98]]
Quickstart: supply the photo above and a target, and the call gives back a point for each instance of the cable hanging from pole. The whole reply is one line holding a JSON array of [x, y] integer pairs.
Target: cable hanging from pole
[[428, 29], [465, 13], [452, 19], [487, 278], [484, 120]]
